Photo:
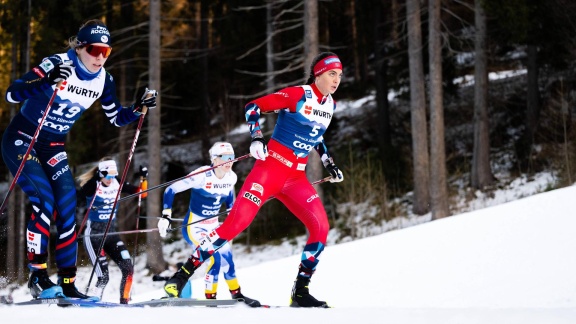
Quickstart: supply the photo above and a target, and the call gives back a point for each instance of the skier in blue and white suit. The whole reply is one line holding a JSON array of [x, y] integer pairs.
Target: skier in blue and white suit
[[209, 190], [46, 177]]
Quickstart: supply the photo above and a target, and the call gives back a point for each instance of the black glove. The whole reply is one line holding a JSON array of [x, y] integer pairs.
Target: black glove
[[336, 174], [143, 172], [147, 99], [61, 72]]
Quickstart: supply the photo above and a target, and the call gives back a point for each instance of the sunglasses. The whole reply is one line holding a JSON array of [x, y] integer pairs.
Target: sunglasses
[[225, 157], [96, 50], [110, 177]]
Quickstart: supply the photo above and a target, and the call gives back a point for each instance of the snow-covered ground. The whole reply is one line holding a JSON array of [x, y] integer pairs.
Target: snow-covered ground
[[508, 263]]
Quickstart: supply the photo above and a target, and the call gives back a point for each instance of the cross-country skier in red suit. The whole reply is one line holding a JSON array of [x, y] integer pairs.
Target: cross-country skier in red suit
[[304, 115]]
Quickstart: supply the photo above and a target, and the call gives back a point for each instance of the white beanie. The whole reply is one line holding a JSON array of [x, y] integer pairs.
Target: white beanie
[[108, 166], [220, 148]]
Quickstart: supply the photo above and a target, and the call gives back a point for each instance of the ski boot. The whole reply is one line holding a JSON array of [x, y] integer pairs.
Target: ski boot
[[301, 295], [237, 294], [174, 285], [41, 286], [66, 279], [39, 282]]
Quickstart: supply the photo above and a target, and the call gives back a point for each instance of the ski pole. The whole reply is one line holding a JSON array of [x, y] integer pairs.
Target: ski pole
[[112, 211], [155, 229], [158, 217], [179, 220], [226, 212], [88, 209], [59, 86], [175, 180]]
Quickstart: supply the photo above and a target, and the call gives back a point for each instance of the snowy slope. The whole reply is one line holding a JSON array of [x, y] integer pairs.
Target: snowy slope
[[511, 263]]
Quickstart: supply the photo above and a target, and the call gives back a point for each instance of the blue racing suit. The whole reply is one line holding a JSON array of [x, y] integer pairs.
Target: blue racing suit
[[46, 177]]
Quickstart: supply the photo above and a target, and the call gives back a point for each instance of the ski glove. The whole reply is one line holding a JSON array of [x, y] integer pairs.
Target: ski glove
[[336, 174], [148, 99], [258, 148], [164, 222], [61, 72]]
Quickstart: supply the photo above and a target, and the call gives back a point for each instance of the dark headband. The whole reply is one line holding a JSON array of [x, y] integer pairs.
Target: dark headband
[[93, 34]]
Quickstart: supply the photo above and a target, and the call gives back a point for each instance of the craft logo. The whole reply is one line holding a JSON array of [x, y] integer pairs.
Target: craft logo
[[281, 159], [308, 93], [57, 158], [61, 172], [314, 196], [252, 198], [307, 110]]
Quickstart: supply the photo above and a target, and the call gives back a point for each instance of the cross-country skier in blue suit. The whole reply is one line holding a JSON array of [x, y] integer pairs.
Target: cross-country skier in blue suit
[[209, 190], [46, 177]]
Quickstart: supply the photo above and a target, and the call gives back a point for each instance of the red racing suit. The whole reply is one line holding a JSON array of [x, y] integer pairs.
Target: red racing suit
[[304, 115]]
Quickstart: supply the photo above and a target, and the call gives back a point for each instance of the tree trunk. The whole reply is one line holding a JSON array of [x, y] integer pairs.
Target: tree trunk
[[438, 188], [155, 258], [314, 168], [12, 267], [126, 88], [481, 173], [387, 156], [421, 162], [205, 100], [270, 84], [354, 35], [532, 105]]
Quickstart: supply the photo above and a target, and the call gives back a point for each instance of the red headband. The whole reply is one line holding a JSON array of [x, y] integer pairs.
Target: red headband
[[327, 63]]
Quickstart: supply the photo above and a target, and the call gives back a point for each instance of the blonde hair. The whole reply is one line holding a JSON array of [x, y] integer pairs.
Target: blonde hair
[[86, 176]]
